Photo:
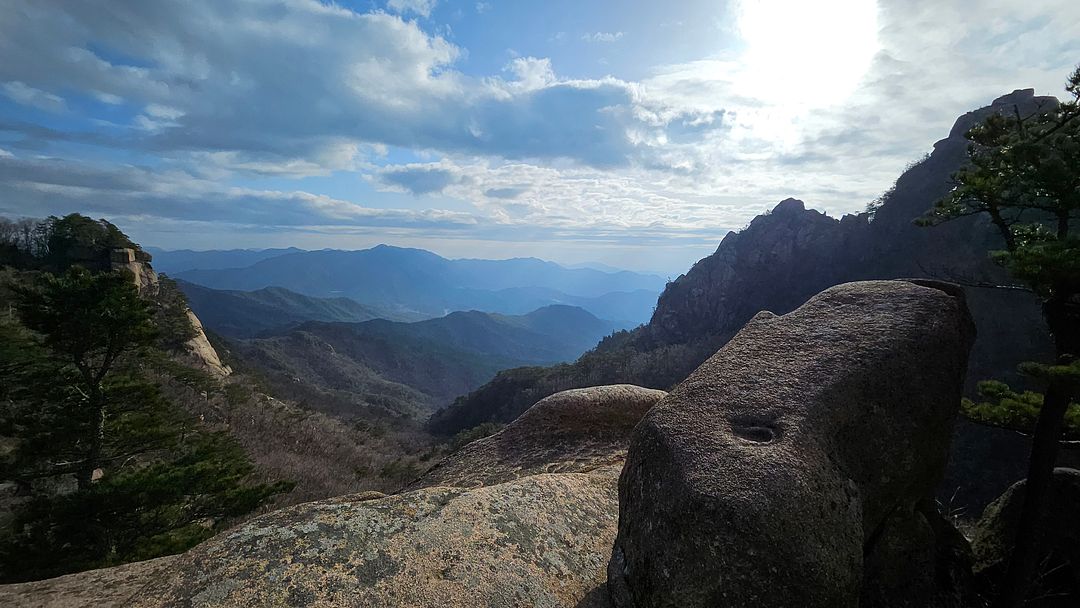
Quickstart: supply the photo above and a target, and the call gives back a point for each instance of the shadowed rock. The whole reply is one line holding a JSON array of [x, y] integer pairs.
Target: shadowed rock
[[103, 588], [1059, 539], [800, 452], [569, 432]]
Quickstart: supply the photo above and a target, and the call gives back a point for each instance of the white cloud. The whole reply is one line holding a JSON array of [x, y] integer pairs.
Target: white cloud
[[49, 185], [531, 73], [301, 88], [602, 37], [19, 92], [313, 74], [420, 7]]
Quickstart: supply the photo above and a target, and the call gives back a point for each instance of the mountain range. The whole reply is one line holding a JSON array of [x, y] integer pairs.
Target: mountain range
[[174, 261], [241, 314], [411, 283], [410, 369]]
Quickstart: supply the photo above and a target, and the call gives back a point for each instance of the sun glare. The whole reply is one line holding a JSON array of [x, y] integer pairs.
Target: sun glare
[[804, 53]]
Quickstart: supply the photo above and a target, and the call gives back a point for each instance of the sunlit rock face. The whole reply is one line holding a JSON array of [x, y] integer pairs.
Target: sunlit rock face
[[198, 349], [569, 432], [537, 541], [790, 469]]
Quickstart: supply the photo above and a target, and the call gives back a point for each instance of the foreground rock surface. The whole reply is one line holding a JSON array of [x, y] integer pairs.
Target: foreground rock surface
[[521, 540], [105, 588], [793, 468], [1059, 540], [569, 432], [539, 541]]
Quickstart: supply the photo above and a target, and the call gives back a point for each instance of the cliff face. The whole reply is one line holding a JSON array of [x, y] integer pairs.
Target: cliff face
[[776, 263], [791, 253], [198, 349]]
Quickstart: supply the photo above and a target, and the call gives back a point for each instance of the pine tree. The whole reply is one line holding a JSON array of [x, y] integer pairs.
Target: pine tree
[[88, 320], [75, 394], [1024, 175]]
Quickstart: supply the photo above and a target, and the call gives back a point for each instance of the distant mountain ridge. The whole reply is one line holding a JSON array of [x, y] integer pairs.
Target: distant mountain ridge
[[412, 282], [179, 260], [242, 314], [411, 368]]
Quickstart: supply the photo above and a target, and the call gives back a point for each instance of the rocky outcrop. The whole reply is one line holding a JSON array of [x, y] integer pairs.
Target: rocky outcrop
[[538, 541], [569, 432], [198, 349], [104, 588], [1059, 538], [137, 262], [793, 468]]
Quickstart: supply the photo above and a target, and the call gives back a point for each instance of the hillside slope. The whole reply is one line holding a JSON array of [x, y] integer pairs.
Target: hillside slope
[[408, 368], [242, 314]]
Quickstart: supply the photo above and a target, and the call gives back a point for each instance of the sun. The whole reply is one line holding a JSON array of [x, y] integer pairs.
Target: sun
[[807, 53]]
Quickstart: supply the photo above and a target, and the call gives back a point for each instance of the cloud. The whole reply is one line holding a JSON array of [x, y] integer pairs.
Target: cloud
[[483, 7], [218, 99], [418, 178], [602, 37], [21, 93], [419, 7], [55, 186], [505, 193], [291, 78]]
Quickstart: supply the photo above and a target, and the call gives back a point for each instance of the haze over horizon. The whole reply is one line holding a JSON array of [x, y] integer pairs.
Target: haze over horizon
[[631, 134]]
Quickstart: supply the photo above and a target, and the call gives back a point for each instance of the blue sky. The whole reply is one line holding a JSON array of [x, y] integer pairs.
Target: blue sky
[[631, 133]]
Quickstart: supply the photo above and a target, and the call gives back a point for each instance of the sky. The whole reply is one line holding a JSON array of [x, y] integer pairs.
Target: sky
[[633, 133]]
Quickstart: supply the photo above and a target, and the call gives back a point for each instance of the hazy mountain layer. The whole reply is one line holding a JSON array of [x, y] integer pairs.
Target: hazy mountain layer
[[411, 367], [417, 282], [241, 314], [172, 262]]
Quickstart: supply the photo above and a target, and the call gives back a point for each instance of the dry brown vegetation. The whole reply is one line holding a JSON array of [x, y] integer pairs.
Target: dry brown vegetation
[[323, 456]]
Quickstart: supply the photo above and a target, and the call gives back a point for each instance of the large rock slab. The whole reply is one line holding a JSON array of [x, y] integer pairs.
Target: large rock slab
[[802, 450], [538, 541], [569, 432], [105, 588]]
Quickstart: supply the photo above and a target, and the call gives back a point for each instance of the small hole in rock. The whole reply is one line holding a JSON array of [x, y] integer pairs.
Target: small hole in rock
[[755, 433]]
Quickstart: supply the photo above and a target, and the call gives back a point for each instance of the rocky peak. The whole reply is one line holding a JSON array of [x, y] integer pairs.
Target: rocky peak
[[789, 205], [776, 263], [1023, 101]]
